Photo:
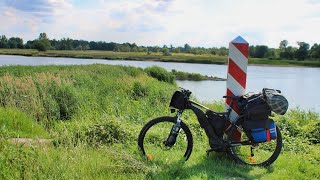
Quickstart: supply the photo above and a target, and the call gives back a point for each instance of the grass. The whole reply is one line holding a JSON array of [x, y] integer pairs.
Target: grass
[[94, 114], [142, 56], [14, 123]]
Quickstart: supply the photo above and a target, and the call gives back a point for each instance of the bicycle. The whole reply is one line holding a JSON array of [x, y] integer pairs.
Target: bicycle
[[162, 137]]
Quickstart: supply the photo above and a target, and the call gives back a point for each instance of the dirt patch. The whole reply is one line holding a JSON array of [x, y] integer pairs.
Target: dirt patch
[[30, 141]]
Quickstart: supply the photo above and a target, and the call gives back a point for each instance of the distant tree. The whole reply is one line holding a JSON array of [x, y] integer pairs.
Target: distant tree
[[187, 48], [42, 43], [290, 52], [315, 51], [29, 45], [165, 52], [3, 41], [222, 51], [261, 51], [252, 51], [214, 51], [302, 52], [12, 43], [156, 49], [283, 45], [271, 54], [176, 50]]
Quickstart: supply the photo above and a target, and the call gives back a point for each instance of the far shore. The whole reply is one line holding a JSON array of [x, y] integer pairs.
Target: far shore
[[143, 56]]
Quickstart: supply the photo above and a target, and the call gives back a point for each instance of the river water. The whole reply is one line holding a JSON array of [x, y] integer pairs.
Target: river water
[[299, 84]]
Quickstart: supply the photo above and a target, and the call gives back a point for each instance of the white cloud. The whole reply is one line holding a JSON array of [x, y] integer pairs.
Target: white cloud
[[199, 23]]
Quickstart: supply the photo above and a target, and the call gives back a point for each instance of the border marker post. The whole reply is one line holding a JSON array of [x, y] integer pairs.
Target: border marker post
[[237, 74]]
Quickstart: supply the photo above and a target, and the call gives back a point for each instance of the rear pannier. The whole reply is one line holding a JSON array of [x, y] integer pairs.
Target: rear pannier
[[261, 131], [256, 123], [254, 107]]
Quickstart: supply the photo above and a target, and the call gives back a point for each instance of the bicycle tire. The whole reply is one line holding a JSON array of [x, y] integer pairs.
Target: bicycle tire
[[234, 153], [166, 119]]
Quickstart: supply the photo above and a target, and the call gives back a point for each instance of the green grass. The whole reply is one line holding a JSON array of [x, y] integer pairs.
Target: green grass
[[142, 56], [94, 114], [14, 123]]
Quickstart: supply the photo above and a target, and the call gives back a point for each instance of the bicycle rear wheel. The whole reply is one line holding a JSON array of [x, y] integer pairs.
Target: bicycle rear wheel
[[259, 154], [153, 136]]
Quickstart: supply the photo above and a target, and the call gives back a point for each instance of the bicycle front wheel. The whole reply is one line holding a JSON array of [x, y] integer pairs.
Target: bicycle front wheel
[[155, 133], [260, 154]]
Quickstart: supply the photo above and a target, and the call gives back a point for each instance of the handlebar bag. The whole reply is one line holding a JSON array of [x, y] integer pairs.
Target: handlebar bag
[[179, 100]]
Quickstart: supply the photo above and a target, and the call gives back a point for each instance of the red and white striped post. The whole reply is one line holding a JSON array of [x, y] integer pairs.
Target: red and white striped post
[[237, 72]]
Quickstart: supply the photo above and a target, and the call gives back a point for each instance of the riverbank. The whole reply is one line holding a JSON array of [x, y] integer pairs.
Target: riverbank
[[93, 114], [142, 56]]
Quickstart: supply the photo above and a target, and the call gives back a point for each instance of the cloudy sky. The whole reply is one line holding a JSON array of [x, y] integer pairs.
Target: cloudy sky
[[207, 23]]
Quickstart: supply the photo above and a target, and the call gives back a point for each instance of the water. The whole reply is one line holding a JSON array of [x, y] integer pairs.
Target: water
[[299, 84]]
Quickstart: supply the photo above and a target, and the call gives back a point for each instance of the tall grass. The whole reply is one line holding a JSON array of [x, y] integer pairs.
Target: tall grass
[[94, 113]]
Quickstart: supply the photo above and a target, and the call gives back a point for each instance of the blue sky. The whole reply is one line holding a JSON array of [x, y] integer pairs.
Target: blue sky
[[207, 23]]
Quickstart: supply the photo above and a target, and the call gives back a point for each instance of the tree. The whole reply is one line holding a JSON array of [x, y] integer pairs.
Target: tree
[[302, 52], [187, 48], [315, 51], [166, 52], [261, 51], [42, 43], [214, 51], [283, 45], [271, 54], [252, 51], [3, 41], [29, 45], [222, 51]]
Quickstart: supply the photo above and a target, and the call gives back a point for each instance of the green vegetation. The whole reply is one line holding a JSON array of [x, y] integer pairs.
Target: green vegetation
[[303, 55], [94, 114], [142, 56], [14, 123], [179, 75]]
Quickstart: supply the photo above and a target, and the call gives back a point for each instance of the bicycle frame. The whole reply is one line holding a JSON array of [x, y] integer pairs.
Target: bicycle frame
[[215, 143]]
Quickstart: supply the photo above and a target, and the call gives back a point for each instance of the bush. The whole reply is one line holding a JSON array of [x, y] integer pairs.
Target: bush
[[111, 132], [139, 90], [160, 73]]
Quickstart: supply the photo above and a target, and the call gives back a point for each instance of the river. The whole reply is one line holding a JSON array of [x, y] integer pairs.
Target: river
[[299, 84]]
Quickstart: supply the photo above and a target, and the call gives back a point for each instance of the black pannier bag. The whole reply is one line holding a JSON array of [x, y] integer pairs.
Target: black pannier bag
[[217, 121], [254, 107], [257, 124], [179, 100]]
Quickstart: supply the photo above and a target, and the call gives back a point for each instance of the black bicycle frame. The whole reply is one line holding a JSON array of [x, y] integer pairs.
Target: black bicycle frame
[[204, 123]]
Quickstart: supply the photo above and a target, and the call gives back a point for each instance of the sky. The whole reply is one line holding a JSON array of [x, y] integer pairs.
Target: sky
[[203, 23]]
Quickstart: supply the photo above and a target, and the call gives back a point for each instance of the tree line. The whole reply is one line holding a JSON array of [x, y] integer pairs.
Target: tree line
[[43, 43]]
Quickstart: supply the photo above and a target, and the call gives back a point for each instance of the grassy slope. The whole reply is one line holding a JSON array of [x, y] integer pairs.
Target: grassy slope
[[14, 123], [176, 57], [95, 134]]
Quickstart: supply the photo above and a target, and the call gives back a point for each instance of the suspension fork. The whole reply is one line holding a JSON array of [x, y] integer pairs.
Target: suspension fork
[[171, 140]]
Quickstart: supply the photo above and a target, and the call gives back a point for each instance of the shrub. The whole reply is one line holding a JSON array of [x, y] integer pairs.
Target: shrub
[[108, 133], [139, 90], [160, 73]]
